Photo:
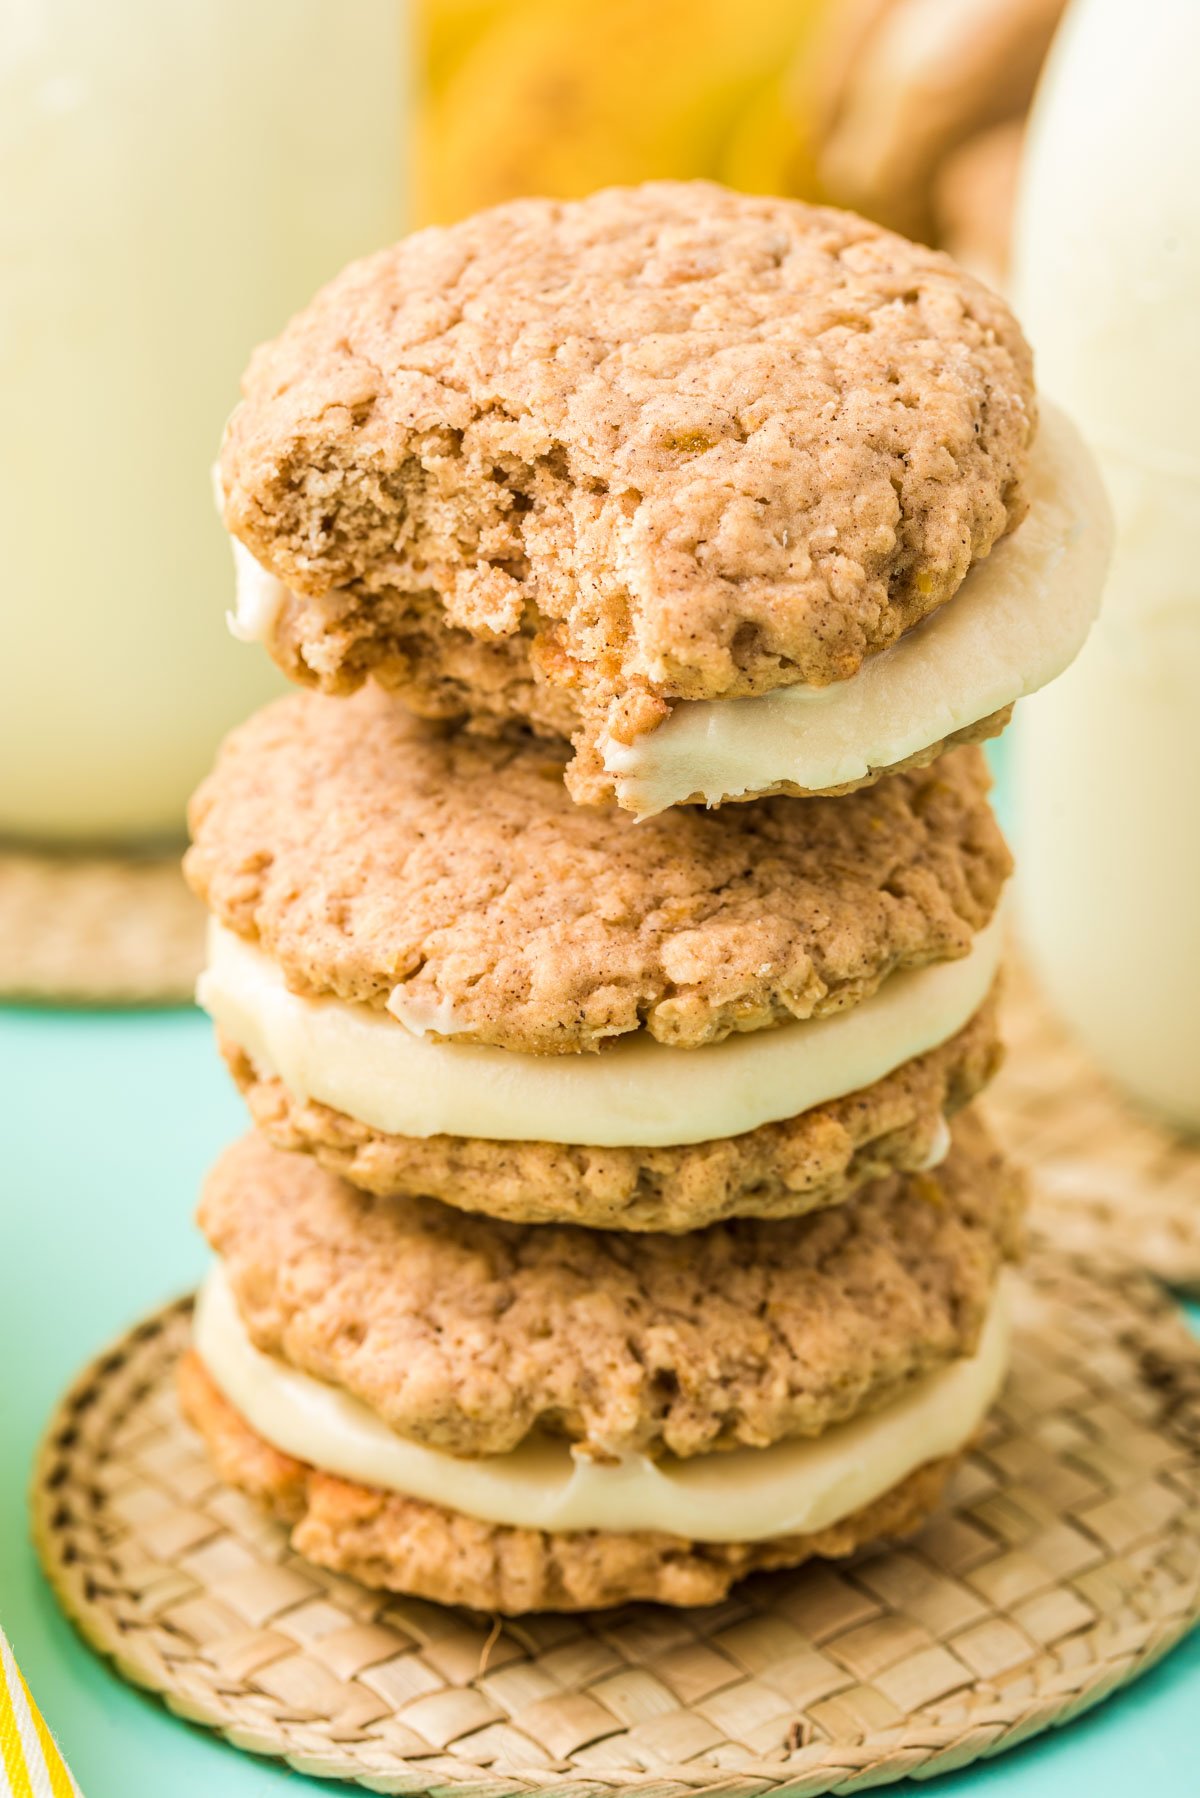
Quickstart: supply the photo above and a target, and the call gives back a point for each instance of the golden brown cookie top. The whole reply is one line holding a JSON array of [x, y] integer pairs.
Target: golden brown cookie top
[[466, 1333], [364, 850], [695, 443]]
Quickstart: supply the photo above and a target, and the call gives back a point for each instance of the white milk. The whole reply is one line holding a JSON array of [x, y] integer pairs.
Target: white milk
[[1107, 284], [176, 177]]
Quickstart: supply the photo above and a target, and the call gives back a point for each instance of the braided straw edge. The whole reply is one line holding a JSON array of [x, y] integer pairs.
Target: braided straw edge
[[97, 930]]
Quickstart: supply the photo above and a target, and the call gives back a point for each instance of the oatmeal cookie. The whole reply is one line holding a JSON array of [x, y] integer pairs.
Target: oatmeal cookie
[[568, 463], [466, 1334], [365, 852]]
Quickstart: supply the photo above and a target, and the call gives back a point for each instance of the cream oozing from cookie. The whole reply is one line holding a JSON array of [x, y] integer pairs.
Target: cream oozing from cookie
[[795, 1487], [635, 1092], [1018, 619], [259, 598]]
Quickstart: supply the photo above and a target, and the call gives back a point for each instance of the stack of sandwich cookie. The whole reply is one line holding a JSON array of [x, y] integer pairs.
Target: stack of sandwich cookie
[[616, 1222]]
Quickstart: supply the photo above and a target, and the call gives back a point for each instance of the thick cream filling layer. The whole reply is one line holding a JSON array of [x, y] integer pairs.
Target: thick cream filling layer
[[1016, 622], [744, 1495], [635, 1092]]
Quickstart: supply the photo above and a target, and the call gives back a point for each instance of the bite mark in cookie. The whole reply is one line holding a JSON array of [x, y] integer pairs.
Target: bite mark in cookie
[[667, 443]]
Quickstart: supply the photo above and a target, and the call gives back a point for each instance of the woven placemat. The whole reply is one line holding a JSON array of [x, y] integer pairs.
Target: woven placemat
[[1107, 1179], [1066, 1562], [97, 930]]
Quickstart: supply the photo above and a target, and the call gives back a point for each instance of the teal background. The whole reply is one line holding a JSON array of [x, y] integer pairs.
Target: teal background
[[109, 1122]]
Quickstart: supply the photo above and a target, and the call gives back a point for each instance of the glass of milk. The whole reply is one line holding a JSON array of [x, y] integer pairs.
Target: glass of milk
[[1107, 284], [175, 179]]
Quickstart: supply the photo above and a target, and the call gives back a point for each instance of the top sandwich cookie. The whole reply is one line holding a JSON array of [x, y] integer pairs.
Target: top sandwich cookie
[[625, 468]]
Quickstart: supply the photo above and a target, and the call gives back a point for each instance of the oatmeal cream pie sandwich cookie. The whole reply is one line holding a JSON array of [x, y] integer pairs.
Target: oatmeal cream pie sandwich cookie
[[435, 973], [741, 495], [524, 1418]]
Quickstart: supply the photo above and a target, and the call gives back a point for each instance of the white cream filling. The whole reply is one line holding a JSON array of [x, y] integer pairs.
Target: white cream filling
[[259, 598], [635, 1092], [744, 1495], [1019, 618]]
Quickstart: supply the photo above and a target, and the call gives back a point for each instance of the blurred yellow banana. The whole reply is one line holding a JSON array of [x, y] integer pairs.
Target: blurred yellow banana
[[554, 97], [445, 32]]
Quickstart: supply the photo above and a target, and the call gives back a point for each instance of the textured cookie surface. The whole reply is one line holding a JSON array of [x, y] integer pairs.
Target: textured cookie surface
[[667, 442], [466, 1333], [408, 1545], [778, 1170], [365, 850]]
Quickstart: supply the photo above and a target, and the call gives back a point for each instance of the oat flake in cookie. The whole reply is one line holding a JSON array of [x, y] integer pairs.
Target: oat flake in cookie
[[585, 464]]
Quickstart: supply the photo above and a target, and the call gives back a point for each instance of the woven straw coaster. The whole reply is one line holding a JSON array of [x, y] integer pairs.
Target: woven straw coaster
[[1107, 1179], [1067, 1561], [97, 931]]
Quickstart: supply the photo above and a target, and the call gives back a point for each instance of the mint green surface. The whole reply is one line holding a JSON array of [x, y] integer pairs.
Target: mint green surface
[[109, 1122]]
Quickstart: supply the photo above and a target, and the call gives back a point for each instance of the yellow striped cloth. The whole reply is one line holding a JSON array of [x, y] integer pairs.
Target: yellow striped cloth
[[30, 1764]]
